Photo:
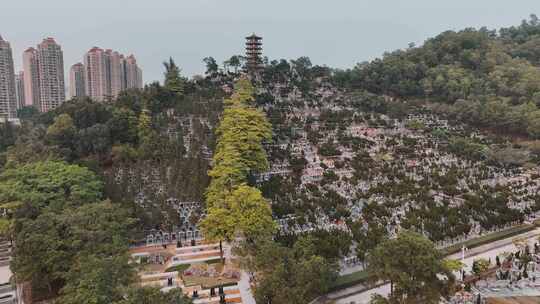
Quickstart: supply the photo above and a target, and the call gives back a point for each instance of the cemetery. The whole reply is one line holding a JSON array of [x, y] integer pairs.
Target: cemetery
[[513, 277], [446, 180]]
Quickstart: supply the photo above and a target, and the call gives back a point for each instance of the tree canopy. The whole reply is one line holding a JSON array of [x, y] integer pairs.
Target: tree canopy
[[413, 266]]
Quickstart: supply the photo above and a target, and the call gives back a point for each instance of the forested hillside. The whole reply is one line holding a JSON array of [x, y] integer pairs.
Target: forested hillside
[[484, 77]]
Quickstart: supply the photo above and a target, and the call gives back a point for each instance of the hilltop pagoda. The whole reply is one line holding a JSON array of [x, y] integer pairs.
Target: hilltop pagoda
[[253, 53]]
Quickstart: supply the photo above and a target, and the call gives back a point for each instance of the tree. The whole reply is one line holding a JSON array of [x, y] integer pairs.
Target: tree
[[219, 225], [27, 112], [30, 146], [94, 140], [173, 81], [211, 66], [62, 132], [60, 231], [367, 239], [239, 149], [235, 208], [123, 125], [235, 62], [6, 220], [480, 266], [51, 184], [40, 257], [467, 148], [413, 265], [378, 299], [243, 212], [58, 250], [453, 265], [243, 130], [508, 156], [8, 135], [251, 212], [97, 280], [291, 275], [302, 66]]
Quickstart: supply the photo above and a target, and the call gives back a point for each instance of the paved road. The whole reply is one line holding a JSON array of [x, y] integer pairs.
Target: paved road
[[5, 274], [487, 251], [245, 289]]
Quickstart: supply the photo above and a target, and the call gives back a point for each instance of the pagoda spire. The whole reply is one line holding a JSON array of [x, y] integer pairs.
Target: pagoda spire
[[253, 53]]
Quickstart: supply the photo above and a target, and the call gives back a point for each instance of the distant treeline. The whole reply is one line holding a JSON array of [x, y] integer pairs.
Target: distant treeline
[[485, 77]]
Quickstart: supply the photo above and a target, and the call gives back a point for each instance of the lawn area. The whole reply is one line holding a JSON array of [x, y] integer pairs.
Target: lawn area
[[214, 261], [182, 267], [207, 282], [488, 238], [179, 268], [349, 280]]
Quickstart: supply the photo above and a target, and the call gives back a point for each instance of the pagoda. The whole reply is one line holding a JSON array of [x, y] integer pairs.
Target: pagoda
[[253, 53]]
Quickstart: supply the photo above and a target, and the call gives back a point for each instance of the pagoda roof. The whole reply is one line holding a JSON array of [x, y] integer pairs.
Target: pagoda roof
[[253, 36]]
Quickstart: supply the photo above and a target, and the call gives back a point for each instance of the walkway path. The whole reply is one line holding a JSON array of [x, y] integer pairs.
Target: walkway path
[[245, 289], [243, 284]]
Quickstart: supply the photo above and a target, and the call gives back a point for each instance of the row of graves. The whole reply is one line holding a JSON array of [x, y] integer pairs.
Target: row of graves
[[399, 166], [187, 231], [291, 225], [514, 278]]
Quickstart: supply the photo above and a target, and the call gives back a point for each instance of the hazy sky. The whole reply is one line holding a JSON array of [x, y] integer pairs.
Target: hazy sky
[[338, 33]]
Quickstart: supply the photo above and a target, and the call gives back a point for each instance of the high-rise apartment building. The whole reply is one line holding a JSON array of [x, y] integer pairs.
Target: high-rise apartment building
[[94, 66], [44, 75], [133, 73], [31, 77], [139, 82], [77, 81], [51, 75], [116, 74], [8, 95], [19, 85], [107, 73]]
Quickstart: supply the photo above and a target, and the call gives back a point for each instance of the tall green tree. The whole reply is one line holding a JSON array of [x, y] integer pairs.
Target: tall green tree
[[173, 80], [239, 149], [413, 266], [235, 62], [234, 208], [211, 65], [291, 275]]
